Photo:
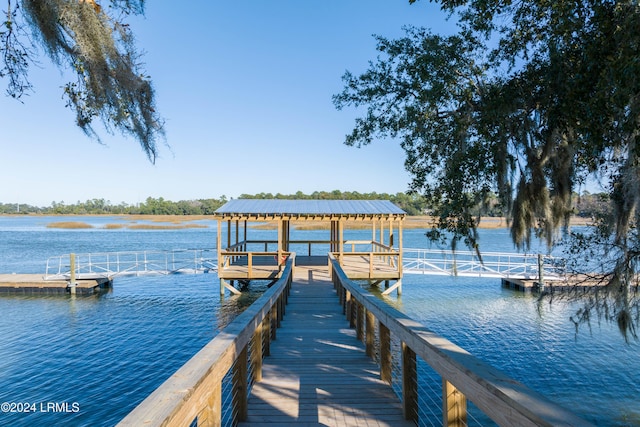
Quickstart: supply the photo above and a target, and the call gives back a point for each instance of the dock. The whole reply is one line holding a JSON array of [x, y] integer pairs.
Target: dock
[[303, 353], [318, 372], [36, 284], [571, 283]]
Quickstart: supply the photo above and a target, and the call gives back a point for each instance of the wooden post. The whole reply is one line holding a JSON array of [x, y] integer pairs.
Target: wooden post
[[256, 353], [72, 278], [454, 406], [237, 232], [370, 333], [240, 384], [360, 322], [409, 384], [211, 415], [266, 330], [341, 239], [385, 354], [280, 242], [274, 321], [219, 250], [540, 273], [244, 237], [373, 230], [400, 256], [349, 310]]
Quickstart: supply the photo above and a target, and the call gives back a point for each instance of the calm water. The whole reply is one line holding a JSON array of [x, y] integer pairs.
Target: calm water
[[101, 355]]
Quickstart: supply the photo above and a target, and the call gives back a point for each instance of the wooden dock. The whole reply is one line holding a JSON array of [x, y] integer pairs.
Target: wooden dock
[[36, 284], [318, 372]]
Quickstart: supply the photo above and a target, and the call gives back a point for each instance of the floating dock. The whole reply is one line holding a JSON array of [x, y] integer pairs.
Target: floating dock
[[574, 283], [36, 284]]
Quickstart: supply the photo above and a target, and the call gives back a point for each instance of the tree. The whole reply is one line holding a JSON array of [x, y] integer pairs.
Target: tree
[[98, 47], [527, 101]]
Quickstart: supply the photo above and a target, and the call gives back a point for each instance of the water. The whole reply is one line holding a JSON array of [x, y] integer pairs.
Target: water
[[102, 355]]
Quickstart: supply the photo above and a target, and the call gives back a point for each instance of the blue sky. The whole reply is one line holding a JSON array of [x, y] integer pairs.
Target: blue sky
[[245, 88]]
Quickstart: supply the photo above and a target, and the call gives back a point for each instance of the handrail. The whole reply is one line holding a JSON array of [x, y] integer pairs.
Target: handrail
[[496, 264], [194, 392], [111, 264], [500, 397]]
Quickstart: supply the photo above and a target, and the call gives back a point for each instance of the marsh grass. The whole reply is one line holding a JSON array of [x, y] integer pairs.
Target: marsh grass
[[114, 226], [164, 227], [173, 219], [69, 225]]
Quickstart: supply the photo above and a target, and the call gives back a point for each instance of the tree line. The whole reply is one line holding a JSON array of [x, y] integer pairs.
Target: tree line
[[587, 205]]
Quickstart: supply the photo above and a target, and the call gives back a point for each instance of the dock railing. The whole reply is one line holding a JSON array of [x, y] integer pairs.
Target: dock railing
[[492, 264], [132, 263], [212, 388], [463, 377], [321, 246]]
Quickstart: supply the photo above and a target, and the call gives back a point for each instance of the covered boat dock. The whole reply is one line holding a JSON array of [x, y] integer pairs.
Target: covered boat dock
[[242, 258]]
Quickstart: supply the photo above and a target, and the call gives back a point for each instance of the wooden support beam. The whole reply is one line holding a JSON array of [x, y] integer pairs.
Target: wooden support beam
[[370, 333], [386, 366], [341, 239], [224, 285], [240, 386], [454, 406], [273, 318], [359, 321], [211, 415], [266, 332], [409, 384], [256, 354], [397, 285], [349, 309]]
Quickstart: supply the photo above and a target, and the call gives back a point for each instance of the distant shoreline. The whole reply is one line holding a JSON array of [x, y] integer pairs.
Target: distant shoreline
[[181, 221]]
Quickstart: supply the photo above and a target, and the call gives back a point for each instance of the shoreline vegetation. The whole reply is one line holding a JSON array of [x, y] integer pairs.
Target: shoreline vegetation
[[178, 222]]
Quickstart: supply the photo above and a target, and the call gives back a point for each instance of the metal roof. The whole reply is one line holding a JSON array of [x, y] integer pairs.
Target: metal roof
[[280, 207]]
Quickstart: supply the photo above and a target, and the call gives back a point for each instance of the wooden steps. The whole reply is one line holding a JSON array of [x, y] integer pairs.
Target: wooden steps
[[318, 372]]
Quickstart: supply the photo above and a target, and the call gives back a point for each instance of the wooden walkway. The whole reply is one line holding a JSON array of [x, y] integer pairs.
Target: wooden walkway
[[318, 373]]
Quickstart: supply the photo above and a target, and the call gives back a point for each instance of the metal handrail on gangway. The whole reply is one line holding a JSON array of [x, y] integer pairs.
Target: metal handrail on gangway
[[488, 264], [415, 261], [133, 263]]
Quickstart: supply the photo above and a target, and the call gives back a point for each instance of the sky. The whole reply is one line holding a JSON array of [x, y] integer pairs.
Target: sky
[[245, 89]]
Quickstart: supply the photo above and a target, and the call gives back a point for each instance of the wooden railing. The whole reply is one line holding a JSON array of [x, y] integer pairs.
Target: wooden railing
[[243, 245], [193, 395], [501, 398]]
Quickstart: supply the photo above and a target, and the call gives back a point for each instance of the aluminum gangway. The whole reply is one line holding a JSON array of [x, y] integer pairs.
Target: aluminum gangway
[[488, 264], [133, 263], [415, 261]]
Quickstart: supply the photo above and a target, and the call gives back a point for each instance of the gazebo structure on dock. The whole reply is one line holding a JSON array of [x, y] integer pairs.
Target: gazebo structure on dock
[[243, 259]]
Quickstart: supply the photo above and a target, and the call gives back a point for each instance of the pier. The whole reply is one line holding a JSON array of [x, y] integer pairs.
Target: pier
[[319, 372], [289, 358]]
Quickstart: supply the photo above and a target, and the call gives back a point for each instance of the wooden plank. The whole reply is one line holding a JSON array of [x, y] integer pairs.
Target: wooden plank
[[318, 372]]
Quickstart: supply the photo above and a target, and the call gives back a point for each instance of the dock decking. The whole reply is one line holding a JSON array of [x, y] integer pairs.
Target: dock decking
[[318, 372], [36, 284]]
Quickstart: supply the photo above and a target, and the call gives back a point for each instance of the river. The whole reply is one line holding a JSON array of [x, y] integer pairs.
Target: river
[[89, 360]]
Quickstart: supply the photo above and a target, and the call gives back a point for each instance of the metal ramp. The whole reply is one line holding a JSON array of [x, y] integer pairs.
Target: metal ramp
[[492, 264], [135, 263]]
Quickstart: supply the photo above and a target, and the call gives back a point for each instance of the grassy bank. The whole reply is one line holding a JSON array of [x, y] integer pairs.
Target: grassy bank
[[177, 222]]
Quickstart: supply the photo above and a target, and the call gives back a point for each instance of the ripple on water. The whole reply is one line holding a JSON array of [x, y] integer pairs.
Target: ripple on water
[[105, 352]]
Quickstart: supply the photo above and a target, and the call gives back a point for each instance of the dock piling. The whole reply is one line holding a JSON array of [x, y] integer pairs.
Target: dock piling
[[72, 268]]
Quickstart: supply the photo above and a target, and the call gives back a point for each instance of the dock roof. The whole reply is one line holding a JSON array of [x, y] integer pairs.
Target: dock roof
[[276, 208]]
